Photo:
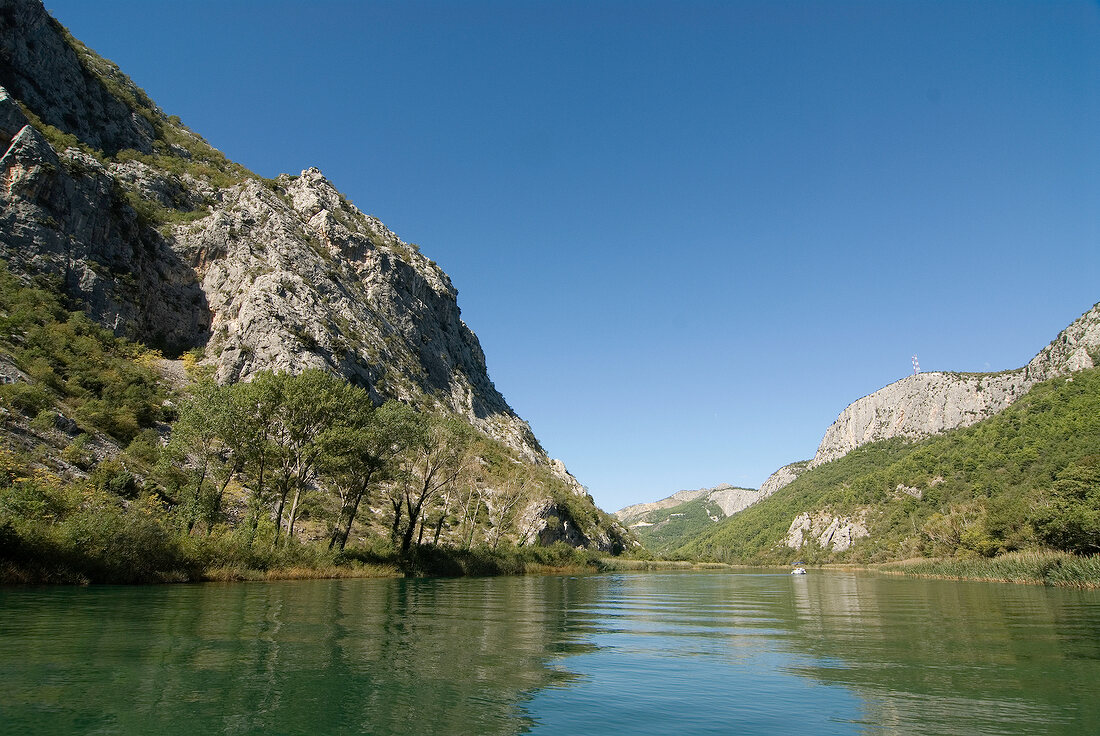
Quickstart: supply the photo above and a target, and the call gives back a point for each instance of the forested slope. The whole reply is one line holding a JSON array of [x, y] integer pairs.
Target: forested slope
[[111, 472]]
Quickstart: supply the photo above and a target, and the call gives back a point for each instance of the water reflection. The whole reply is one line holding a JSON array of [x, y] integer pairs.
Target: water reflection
[[951, 657], [375, 657], [836, 653], [639, 653]]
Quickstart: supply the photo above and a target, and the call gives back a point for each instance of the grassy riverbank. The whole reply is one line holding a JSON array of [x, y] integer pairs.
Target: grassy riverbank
[[225, 560], [1036, 568], [626, 564]]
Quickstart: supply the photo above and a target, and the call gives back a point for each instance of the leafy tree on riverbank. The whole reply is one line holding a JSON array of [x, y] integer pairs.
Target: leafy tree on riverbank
[[364, 447], [435, 456], [1069, 517]]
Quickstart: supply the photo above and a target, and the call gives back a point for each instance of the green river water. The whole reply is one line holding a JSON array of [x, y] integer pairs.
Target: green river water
[[632, 653]]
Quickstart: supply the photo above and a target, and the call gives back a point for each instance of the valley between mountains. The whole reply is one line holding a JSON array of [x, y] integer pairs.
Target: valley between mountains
[[205, 373]]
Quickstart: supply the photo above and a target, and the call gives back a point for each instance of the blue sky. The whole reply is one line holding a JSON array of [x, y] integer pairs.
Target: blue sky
[[687, 233]]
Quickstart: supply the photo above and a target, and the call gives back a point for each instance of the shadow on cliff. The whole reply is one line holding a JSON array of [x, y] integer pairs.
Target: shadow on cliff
[[65, 221]]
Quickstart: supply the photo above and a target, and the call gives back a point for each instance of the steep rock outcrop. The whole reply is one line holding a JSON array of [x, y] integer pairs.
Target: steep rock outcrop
[[783, 477], [63, 215], [49, 71], [918, 406], [731, 499], [833, 533], [297, 277], [282, 275], [932, 403], [1076, 348], [547, 522]]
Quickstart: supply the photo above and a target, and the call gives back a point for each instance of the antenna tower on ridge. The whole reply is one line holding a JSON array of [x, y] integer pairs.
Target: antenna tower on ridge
[[916, 365]]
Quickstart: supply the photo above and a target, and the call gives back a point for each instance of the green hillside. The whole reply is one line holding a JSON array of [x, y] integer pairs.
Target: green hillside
[[109, 474], [1026, 478], [670, 528]]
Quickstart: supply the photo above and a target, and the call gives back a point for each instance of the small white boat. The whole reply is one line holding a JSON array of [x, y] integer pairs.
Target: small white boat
[[798, 571]]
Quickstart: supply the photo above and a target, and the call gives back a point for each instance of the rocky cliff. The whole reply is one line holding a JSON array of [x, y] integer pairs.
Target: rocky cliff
[[932, 403], [159, 237], [782, 477], [826, 531]]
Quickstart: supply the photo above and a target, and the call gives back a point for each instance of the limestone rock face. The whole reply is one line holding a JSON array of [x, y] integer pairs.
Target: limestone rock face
[[932, 403], [285, 275], [297, 277], [918, 406], [547, 522], [41, 68], [731, 500], [783, 477], [63, 216], [1075, 349], [836, 533]]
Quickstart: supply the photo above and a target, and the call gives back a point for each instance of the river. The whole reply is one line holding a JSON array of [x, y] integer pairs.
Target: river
[[631, 653]]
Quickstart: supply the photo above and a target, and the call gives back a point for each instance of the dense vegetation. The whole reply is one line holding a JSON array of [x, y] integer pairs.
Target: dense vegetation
[[106, 383], [1027, 478], [106, 475]]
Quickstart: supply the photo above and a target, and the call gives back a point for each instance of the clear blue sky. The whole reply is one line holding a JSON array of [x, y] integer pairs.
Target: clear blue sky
[[686, 233]]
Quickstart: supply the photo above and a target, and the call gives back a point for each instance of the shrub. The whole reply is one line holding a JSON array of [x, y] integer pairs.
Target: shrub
[[26, 398]]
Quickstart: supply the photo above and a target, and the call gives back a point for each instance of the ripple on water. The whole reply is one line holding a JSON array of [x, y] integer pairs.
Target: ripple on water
[[642, 653]]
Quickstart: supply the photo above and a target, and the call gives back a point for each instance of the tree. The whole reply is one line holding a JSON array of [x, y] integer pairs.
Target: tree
[[502, 505], [361, 449], [199, 444], [311, 402], [432, 461], [256, 406], [1070, 517]]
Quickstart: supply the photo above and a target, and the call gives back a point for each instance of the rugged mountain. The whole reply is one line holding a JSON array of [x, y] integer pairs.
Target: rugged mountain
[[932, 403], [992, 445], [666, 524], [160, 238], [1026, 477], [916, 407]]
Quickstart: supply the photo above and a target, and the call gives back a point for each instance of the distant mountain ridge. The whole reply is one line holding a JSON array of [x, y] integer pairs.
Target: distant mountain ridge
[[666, 524], [867, 469], [1026, 478], [729, 498]]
